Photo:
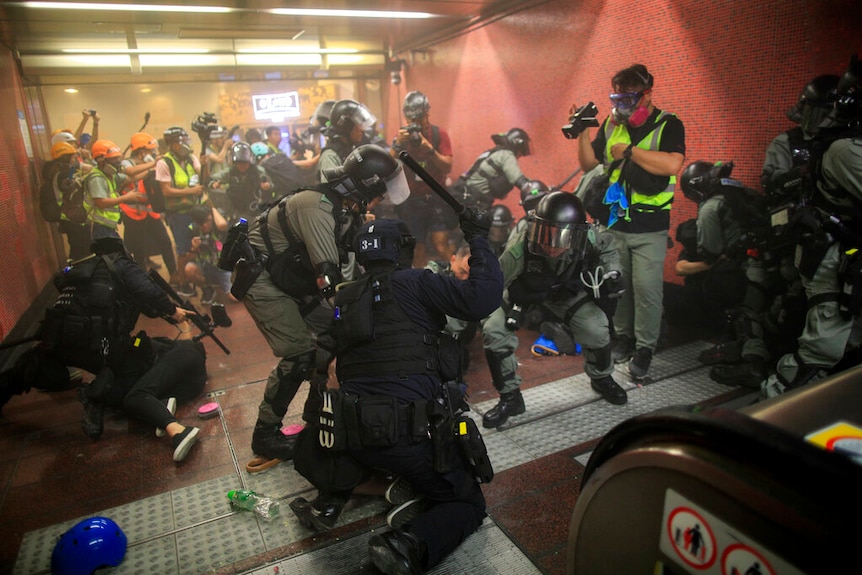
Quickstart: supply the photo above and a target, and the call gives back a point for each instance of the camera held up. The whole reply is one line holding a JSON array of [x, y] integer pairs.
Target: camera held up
[[415, 131], [204, 125], [583, 118]]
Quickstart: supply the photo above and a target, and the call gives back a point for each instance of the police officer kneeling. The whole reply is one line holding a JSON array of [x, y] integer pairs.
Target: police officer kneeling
[[391, 396]]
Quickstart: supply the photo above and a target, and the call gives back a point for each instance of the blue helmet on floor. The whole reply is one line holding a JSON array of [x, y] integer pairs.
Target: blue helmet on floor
[[88, 545]]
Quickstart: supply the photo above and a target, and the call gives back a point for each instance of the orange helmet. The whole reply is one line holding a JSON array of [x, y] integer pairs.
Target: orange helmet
[[143, 140], [62, 149], [106, 149]]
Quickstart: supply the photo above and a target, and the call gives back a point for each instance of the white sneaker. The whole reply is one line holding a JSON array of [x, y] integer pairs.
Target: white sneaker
[[172, 407]]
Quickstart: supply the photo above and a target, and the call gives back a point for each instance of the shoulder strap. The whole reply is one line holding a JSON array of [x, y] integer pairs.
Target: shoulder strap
[[435, 137]]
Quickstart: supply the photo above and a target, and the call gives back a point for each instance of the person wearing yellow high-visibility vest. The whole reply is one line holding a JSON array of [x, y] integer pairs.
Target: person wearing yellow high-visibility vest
[[642, 149], [178, 173], [102, 187]]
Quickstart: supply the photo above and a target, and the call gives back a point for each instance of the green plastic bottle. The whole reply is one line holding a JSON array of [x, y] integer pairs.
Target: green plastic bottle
[[248, 500]]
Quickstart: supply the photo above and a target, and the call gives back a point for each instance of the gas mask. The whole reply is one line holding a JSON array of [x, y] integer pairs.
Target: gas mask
[[112, 166], [813, 119], [625, 109], [185, 148]]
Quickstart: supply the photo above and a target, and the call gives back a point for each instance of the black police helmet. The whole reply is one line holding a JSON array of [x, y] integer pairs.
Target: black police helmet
[[500, 215], [347, 114], [323, 111], [558, 228], [515, 139], [241, 152], [848, 106], [416, 105], [384, 241], [531, 193], [699, 179], [367, 173]]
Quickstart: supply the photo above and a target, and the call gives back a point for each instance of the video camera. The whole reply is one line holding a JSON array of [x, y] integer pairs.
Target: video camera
[[204, 125], [583, 118], [305, 140]]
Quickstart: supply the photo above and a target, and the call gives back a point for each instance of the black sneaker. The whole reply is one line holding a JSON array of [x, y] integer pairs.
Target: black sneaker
[[610, 390], [400, 491], [639, 365], [623, 349], [184, 441], [406, 512], [186, 290], [93, 422], [397, 553], [208, 295]]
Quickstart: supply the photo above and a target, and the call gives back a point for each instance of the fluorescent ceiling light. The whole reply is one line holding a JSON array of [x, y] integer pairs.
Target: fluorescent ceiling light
[[135, 51], [128, 7], [297, 50], [348, 13], [71, 91]]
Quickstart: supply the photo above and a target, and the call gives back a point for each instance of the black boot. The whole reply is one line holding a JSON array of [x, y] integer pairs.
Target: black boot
[[317, 515], [609, 389], [397, 552], [750, 373], [510, 404], [268, 441]]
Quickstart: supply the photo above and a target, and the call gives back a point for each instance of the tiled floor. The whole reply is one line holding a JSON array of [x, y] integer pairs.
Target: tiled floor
[[178, 519]]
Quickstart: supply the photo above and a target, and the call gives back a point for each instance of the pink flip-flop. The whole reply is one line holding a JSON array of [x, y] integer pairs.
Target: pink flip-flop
[[208, 410]]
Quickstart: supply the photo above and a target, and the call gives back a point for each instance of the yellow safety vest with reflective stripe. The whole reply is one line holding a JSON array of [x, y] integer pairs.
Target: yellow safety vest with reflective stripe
[[110, 216], [181, 179], [619, 134]]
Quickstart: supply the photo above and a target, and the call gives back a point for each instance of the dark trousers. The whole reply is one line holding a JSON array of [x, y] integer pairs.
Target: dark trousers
[[457, 503], [149, 237], [78, 236], [179, 370]]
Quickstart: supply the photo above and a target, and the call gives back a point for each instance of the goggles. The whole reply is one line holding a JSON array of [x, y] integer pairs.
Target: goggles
[[627, 100]]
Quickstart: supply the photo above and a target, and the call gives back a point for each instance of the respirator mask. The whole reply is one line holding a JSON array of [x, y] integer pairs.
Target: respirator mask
[[625, 109]]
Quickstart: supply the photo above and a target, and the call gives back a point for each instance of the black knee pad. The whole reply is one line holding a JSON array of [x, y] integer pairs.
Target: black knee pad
[[302, 368]]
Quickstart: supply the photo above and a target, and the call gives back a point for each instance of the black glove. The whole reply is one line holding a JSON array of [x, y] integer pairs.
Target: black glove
[[514, 318], [613, 286], [474, 223]]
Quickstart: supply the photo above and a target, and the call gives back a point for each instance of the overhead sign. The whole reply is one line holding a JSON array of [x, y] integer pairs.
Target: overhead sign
[[275, 107]]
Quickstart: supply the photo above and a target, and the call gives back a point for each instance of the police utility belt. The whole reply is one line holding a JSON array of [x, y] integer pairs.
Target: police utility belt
[[381, 421]]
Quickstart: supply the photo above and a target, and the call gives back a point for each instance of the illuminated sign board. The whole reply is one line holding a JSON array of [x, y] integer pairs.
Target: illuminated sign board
[[276, 107]]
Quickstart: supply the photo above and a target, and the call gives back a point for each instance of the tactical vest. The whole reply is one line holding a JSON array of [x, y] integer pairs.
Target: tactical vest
[[538, 282], [110, 216], [375, 337], [619, 134], [89, 324], [181, 178], [244, 191]]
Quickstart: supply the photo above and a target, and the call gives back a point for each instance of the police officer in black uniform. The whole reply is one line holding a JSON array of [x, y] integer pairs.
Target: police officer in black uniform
[[394, 378]]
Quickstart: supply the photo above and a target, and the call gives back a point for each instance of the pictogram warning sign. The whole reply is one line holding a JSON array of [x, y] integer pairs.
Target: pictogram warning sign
[[691, 537]]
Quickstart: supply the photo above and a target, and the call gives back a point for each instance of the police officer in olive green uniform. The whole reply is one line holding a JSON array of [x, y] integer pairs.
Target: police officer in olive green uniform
[[496, 171], [642, 149], [828, 256], [299, 247], [733, 279], [547, 265]]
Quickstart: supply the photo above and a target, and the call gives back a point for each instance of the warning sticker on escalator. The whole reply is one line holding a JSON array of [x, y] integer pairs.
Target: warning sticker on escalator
[[699, 542]]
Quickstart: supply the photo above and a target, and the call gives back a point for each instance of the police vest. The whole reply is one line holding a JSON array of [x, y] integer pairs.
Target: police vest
[[181, 178], [109, 216], [539, 282], [619, 134], [375, 337]]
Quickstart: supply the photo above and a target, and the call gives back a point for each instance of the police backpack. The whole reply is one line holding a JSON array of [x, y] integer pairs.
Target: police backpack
[[84, 328]]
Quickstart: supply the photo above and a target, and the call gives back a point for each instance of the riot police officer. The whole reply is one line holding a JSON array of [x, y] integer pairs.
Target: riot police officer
[[248, 187], [496, 171], [348, 121], [562, 263], [394, 380], [501, 226], [828, 253], [729, 230], [298, 245]]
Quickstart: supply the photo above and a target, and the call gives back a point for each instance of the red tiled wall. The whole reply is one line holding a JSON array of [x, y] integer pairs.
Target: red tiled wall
[[27, 257], [729, 70]]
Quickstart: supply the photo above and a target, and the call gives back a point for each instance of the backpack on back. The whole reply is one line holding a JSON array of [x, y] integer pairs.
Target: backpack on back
[[85, 327], [154, 190], [748, 207], [283, 173], [71, 195]]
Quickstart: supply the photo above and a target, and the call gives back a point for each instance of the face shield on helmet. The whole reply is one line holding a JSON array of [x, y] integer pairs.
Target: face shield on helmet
[[348, 114], [384, 240], [501, 224], [848, 104], [812, 110], [699, 179], [558, 228], [87, 546], [241, 152], [369, 172]]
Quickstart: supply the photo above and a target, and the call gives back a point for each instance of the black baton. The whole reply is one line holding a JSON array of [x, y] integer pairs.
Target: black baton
[[434, 184]]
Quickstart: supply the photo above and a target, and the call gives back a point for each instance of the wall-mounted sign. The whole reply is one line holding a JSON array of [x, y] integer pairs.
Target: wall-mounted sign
[[275, 107]]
